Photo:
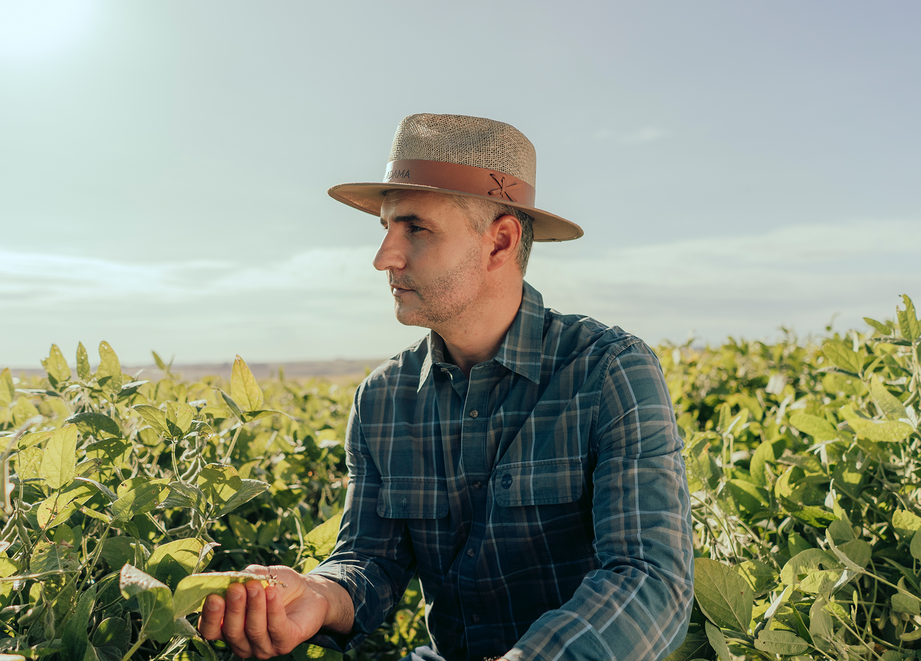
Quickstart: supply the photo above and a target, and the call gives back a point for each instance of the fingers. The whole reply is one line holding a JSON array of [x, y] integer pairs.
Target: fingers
[[235, 608], [277, 623], [256, 632], [212, 615]]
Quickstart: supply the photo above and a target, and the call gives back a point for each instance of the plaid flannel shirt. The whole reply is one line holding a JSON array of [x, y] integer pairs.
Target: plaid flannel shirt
[[543, 500]]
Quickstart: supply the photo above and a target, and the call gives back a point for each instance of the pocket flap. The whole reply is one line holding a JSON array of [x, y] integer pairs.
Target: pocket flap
[[412, 498], [549, 482]]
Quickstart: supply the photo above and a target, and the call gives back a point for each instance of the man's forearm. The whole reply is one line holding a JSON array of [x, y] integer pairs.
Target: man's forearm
[[340, 613]]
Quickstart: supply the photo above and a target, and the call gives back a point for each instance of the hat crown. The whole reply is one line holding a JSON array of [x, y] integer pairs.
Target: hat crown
[[475, 141]]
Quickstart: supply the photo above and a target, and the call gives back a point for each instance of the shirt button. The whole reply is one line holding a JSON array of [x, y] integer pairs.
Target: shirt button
[[474, 413], [474, 618], [477, 485], [471, 552]]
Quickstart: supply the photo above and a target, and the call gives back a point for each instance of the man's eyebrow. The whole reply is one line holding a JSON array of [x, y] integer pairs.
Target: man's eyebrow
[[409, 218]]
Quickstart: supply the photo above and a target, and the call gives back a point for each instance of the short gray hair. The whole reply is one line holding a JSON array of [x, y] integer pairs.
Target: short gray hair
[[482, 214]]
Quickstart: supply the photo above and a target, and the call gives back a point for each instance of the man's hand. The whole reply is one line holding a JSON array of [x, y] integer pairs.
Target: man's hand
[[270, 621]]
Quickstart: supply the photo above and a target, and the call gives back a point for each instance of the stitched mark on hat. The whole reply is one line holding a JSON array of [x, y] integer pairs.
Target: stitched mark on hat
[[397, 174], [502, 191]]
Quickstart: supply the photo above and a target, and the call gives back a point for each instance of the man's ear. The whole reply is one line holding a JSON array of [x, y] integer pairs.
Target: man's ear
[[503, 236]]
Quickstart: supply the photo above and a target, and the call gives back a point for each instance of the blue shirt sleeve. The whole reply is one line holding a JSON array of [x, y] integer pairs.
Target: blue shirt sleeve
[[637, 604], [373, 559]]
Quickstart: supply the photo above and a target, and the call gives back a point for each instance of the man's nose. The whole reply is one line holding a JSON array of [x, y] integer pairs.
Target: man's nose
[[390, 255]]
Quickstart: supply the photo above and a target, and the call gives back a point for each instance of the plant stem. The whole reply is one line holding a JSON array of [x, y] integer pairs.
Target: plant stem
[[134, 648]]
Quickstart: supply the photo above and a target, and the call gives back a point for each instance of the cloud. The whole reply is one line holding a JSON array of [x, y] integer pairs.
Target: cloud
[[330, 302], [797, 276]]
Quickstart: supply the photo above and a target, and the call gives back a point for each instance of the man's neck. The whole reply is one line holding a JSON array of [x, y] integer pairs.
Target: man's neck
[[480, 340]]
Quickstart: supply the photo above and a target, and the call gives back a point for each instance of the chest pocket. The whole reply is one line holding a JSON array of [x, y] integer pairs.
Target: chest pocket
[[412, 498], [548, 482]]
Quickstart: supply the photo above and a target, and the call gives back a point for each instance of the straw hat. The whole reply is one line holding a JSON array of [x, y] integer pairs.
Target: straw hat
[[469, 156]]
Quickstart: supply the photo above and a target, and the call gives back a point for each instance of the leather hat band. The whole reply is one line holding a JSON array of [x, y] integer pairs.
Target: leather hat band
[[460, 178]]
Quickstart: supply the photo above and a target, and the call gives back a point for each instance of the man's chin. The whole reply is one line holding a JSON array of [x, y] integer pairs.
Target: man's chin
[[406, 317]]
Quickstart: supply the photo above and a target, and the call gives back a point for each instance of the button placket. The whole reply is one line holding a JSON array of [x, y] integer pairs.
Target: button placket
[[474, 429]]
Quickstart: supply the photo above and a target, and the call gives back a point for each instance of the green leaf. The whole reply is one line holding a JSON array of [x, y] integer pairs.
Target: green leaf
[[819, 428], [153, 597], [186, 495], [116, 551], [24, 413], [7, 388], [323, 537], [110, 452], [243, 387], [840, 531], [60, 506], [52, 557], [219, 482], [845, 384], [192, 590], [159, 362], [766, 453], [237, 411], [855, 554], [244, 530], [886, 432], [915, 548], [821, 625], [155, 418], [83, 363], [249, 416], [173, 561], [145, 497], [906, 523], [60, 459], [98, 425], [748, 496], [702, 467], [759, 575], [109, 373], [722, 594], [179, 416], [248, 490], [112, 632], [908, 321], [56, 367], [74, 638], [883, 328], [813, 571], [906, 603], [717, 642], [780, 642], [849, 479], [889, 404], [842, 356], [694, 646]]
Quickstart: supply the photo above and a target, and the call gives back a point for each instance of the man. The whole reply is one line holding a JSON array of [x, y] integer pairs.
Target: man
[[525, 463]]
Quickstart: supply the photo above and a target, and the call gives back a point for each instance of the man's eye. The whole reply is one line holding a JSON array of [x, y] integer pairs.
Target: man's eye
[[415, 229]]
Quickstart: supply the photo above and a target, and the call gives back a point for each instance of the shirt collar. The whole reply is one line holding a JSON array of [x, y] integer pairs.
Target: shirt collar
[[520, 351]]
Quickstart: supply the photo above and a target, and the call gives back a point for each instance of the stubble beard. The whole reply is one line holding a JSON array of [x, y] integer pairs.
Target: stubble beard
[[444, 299]]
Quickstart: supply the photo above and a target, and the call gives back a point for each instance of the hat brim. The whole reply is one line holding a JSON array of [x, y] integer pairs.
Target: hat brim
[[368, 197]]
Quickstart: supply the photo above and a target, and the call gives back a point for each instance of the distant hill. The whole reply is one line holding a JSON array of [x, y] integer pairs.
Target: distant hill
[[333, 370]]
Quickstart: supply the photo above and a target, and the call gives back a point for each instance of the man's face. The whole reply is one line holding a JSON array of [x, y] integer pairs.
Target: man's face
[[435, 262]]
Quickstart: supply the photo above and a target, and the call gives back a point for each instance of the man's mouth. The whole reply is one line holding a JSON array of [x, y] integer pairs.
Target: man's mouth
[[400, 288]]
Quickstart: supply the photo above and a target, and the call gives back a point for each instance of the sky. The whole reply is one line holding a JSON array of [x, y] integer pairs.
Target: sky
[[738, 168]]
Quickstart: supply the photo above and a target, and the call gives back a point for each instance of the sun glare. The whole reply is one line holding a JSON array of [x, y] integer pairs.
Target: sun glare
[[36, 29]]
